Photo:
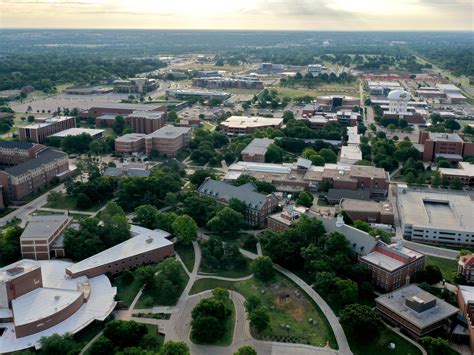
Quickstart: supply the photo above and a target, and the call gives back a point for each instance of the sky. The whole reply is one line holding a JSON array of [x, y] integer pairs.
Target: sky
[[330, 15]]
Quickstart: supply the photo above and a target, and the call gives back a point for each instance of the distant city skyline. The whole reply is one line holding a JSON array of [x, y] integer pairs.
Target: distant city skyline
[[240, 14]]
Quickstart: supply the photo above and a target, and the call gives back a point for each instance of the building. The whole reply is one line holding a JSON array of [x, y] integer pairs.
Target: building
[[392, 266], [246, 125], [126, 171], [256, 150], [368, 211], [435, 217], [382, 88], [146, 121], [350, 154], [130, 143], [466, 267], [464, 172], [119, 109], [144, 247], [135, 85], [334, 103], [240, 82], [415, 311], [348, 117], [427, 92], [38, 132], [449, 146], [466, 306], [453, 93], [88, 90], [14, 153], [42, 237], [94, 133], [104, 121], [23, 179], [183, 94], [38, 300], [314, 68], [280, 221], [258, 206], [168, 140], [353, 136]]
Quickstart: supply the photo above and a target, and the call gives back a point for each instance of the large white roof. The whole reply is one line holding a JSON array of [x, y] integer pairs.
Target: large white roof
[[399, 95]]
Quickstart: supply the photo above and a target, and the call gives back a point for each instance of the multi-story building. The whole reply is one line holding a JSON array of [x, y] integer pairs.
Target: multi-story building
[[38, 132], [182, 94], [146, 121], [168, 140], [392, 266], [256, 150], [280, 221], [334, 103], [119, 109], [453, 93], [130, 143], [382, 88], [245, 125], [415, 311], [464, 172], [14, 153], [466, 306], [466, 267], [41, 239], [134, 85], [368, 211], [21, 180], [435, 217], [247, 82], [258, 206], [449, 146]]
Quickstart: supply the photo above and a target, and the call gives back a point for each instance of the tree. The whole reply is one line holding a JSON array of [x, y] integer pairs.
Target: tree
[[436, 346], [436, 181], [246, 350], [324, 282], [287, 116], [185, 229], [58, 344], [125, 333], [251, 303], [127, 276], [164, 220], [305, 199], [452, 125], [433, 274], [262, 268], [226, 220], [146, 216], [259, 319], [10, 249], [172, 116], [347, 291], [274, 154], [457, 184], [363, 226], [175, 348], [206, 329], [198, 177], [237, 205], [119, 125], [361, 320], [220, 293], [102, 345], [328, 155]]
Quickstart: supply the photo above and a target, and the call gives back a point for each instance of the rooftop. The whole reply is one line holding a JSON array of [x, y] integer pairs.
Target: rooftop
[[464, 169], [251, 122], [48, 122], [169, 132], [257, 146], [395, 301], [390, 257], [141, 243], [43, 158], [16, 269], [130, 137], [78, 131], [350, 153], [43, 227], [448, 211], [124, 106], [448, 137], [467, 293], [133, 172], [147, 114], [16, 145], [348, 204]]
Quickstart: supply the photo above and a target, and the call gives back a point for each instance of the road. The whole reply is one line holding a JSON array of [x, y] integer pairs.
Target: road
[[24, 211], [432, 250]]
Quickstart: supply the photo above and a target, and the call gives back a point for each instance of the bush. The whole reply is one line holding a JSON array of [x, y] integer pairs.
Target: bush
[[262, 268]]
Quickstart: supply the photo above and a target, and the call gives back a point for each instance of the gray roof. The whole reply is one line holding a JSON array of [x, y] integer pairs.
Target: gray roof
[[44, 157], [132, 172], [19, 145], [246, 193], [169, 131], [125, 106], [257, 146], [43, 227], [338, 194]]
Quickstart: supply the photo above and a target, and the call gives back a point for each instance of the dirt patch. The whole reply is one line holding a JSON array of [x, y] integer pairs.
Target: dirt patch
[[286, 300]]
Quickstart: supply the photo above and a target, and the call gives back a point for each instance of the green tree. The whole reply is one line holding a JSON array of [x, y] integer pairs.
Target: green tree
[[457, 184], [436, 346], [206, 329], [433, 274], [436, 181], [101, 346], [262, 268], [362, 225], [146, 216], [304, 199], [246, 350], [259, 319], [164, 221], [274, 154], [251, 303], [185, 229], [198, 177], [226, 220], [220, 293], [173, 116], [287, 116], [125, 333], [237, 205], [347, 291], [175, 348], [58, 345], [361, 320], [119, 125], [328, 155], [10, 249]]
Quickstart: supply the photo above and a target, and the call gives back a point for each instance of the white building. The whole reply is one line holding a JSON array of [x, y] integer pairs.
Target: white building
[[398, 102]]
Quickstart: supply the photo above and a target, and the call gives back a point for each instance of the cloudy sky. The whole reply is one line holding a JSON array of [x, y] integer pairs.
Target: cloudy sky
[[240, 14]]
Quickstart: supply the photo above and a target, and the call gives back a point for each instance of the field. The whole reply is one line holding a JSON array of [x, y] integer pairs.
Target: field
[[66, 202], [448, 267], [186, 253], [286, 305]]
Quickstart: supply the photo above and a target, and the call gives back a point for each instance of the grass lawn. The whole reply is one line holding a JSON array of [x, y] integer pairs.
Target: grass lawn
[[448, 267], [379, 345], [228, 325], [126, 292], [6, 211], [66, 202], [293, 310], [88, 333], [243, 91], [186, 253], [239, 271], [149, 299]]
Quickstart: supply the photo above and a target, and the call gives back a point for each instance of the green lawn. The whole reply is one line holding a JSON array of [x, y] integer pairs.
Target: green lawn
[[126, 292], [239, 271], [228, 324], [448, 267], [88, 333], [379, 345], [293, 310], [150, 299], [186, 253], [67, 202]]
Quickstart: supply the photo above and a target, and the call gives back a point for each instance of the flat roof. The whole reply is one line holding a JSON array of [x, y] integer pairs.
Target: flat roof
[[17, 269], [464, 169], [41, 303], [130, 137], [395, 301], [125, 106], [169, 131], [78, 131], [448, 137], [43, 227], [141, 243], [251, 122], [351, 152], [386, 261], [46, 156], [369, 206], [257, 146], [147, 114], [437, 210], [48, 122]]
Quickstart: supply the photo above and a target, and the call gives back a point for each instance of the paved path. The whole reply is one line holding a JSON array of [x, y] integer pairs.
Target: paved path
[[65, 210], [210, 276], [396, 330], [88, 345], [432, 250]]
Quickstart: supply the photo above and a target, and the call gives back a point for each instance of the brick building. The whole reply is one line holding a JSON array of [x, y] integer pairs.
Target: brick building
[[450, 146], [168, 140], [130, 143], [41, 239], [258, 206], [119, 109], [466, 267], [38, 132], [246, 125], [464, 172], [280, 221], [256, 150], [368, 211], [146, 121], [466, 306], [14, 153]]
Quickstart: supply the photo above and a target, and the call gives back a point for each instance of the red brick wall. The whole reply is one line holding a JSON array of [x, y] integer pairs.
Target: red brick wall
[[23, 284]]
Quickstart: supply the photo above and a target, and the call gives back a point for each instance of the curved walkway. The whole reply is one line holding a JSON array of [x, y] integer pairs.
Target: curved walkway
[[222, 278]]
